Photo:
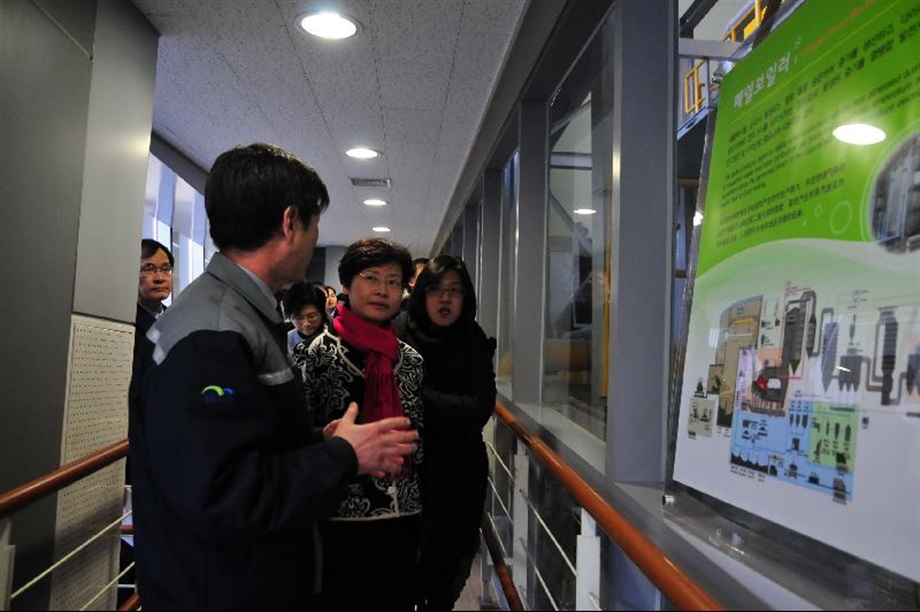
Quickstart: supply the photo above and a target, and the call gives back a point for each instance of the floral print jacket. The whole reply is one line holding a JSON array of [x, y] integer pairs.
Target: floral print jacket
[[333, 377]]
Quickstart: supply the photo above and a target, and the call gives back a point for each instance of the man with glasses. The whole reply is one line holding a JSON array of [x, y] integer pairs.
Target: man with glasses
[[153, 288]]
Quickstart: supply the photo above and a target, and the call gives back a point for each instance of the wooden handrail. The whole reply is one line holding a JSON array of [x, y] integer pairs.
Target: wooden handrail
[[131, 604], [501, 568], [664, 573], [32, 491]]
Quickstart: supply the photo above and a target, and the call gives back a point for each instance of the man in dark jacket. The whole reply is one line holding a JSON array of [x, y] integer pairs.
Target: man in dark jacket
[[154, 286], [228, 477]]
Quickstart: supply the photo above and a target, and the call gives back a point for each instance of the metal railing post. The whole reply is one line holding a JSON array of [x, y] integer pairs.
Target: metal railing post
[[587, 564], [7, 557], [520, 518]]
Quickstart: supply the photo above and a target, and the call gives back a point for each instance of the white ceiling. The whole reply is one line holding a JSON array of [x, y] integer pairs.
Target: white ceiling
[[414, 84]]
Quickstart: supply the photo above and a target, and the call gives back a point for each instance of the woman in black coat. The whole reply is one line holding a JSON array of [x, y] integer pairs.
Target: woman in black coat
[[458, 396]]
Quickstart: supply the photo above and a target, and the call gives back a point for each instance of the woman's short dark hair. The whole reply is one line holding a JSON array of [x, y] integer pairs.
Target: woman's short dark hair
[[430, 276], [149, 248], [248, 190], [303, 294], [370, 252]]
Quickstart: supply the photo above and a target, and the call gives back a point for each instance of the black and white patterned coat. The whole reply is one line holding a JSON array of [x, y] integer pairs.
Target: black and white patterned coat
[[333, 377]]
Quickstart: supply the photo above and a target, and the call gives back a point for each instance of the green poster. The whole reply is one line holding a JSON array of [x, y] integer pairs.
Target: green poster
[[801, 396], [777, 171]]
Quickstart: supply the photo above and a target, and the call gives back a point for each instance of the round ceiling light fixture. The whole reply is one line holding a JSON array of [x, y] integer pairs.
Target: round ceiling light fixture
[[330, 26], [362, 153], [381, 229], [375, 202]]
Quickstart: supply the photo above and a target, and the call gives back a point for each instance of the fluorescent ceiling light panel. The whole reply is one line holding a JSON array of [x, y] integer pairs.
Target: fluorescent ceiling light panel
[[381, 228], [331, 26], [375, 202], [584, 211]]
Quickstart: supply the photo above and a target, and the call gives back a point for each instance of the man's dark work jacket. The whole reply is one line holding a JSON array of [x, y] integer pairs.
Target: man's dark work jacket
[[228, 477]]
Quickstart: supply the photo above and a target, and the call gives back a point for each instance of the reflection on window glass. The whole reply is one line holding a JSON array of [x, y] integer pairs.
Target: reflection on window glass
[[506, 282], [574, 373]]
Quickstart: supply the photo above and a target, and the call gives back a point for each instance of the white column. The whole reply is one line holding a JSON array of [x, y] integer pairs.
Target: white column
[[587, 565]]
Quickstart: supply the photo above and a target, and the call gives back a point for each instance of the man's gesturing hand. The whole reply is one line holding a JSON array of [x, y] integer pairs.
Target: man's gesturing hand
[[380, 446]]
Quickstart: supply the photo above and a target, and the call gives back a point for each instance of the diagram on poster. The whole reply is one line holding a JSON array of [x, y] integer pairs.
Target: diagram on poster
[[801, 397], [808, 439]]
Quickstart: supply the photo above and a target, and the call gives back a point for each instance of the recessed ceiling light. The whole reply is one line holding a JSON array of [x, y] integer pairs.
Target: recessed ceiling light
[[381, 228], [331, 26], [584, 211], [858, 134], [375, 202], [362, 153]]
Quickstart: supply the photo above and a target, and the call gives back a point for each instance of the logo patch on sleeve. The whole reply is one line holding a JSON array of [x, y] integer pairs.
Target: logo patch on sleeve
[[216, 393]]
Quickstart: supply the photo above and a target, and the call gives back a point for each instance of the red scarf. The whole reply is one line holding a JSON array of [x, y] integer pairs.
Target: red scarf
[[380, 347]]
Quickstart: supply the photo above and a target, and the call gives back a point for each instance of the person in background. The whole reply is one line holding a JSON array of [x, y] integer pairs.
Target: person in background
[[459, 398], [153, 288], [417, 265], [332, 301], [229, 479], [304, 305], [370, 545]]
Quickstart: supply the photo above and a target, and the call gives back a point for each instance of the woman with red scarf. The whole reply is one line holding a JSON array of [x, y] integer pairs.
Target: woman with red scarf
[[370, 543]]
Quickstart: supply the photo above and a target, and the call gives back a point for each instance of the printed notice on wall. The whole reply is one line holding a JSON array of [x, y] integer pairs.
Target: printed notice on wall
[[801, 389]]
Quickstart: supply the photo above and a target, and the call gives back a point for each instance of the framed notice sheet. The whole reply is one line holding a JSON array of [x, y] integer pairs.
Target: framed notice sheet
[[801, 385]]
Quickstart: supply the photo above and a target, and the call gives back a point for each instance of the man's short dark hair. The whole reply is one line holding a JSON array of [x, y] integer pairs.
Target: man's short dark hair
[[420, 260], [249, 189], [149, 248], [370, 252]]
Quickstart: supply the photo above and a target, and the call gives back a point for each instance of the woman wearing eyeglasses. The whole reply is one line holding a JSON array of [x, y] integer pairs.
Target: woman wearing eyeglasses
[[332, 301], [370, 543], [304, 306], [459, 397]]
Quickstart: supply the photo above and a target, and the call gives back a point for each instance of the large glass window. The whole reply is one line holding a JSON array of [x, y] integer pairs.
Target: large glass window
[[574, 376], [174, 215], [508, 251]]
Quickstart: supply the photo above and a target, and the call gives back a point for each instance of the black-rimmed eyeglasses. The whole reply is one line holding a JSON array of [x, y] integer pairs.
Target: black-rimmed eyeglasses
[[150, 269], [453, 291]]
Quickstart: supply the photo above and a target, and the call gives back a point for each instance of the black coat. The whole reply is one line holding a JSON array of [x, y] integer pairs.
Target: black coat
[[459, 398]]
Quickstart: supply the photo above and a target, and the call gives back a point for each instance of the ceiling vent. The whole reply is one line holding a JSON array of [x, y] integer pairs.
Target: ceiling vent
[[371, 182]]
